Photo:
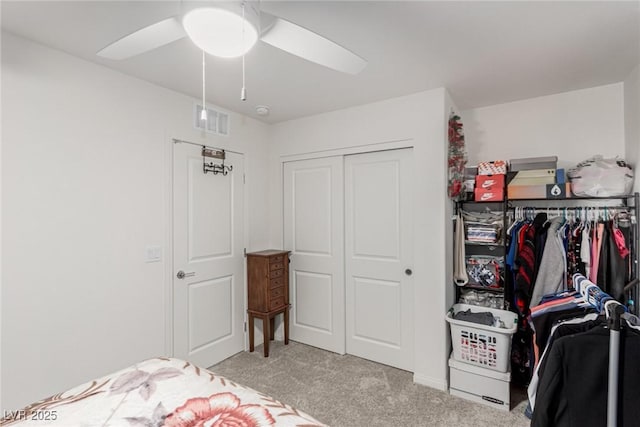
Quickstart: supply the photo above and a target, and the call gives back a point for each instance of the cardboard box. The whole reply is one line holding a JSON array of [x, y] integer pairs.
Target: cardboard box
[[549, 191], [482, 195], [533, 181], [529, 163], [536, 173], [490, 182], [534, 177]]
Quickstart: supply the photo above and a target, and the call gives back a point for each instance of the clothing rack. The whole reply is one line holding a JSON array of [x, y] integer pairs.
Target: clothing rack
[[614, 311], [590, 209], [584, 213]]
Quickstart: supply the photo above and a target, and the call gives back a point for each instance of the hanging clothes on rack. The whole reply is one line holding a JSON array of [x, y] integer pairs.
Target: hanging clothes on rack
[[524, 253], [612, 274], [555, 308], [571, 385], [596, 246], [585, 249], [546, 246], [552, 275], [526, 261], [575, 263], [545, 252], [568, 326]]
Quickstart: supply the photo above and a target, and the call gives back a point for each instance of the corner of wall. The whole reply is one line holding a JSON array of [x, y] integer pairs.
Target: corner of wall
[[631, 122], [436, 383], [2, 408], [448, 226]]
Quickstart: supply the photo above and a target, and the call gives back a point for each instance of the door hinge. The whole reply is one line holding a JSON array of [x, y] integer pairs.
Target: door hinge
[[245, 326], [245, 252], [244, 178]]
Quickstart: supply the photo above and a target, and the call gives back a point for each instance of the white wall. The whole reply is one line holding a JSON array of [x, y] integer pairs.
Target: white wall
[[632, 122], [1, 235], [572, 125], [450, 291], [417, 120], [85, 188]]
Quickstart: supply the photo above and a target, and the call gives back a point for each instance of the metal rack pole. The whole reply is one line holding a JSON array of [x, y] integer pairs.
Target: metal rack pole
[[635, 274], [614, 365]]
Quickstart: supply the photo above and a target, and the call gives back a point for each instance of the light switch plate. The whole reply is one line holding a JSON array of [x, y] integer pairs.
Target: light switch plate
[[153, 254]]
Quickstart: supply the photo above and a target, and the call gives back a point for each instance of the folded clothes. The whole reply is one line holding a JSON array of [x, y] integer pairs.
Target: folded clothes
[[481, 298], [481, 233], [482, 317]]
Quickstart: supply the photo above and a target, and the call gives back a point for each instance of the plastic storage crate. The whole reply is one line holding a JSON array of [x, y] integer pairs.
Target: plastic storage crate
[[480, 385], [485, 346]]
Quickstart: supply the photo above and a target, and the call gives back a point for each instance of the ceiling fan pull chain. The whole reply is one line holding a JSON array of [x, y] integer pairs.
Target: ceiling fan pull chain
[[243, 92], [203, 113]]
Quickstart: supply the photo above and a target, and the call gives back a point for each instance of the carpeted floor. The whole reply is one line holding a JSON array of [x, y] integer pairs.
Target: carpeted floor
[[352, 392]]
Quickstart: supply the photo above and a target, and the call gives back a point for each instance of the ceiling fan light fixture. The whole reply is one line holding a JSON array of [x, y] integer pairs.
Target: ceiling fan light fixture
[[219, 32]]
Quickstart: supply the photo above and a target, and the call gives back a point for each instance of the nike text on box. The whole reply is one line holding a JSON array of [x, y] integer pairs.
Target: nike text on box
[[483, 195], [490, 182]]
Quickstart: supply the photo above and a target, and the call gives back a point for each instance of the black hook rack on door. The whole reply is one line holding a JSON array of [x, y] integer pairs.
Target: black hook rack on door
[[212, 167]]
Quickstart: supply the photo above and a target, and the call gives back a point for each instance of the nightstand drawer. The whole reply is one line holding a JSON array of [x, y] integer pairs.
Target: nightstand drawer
[[276, 273], [278, 258], [274, 283], [277, 292], [276, 303], [276, 266]]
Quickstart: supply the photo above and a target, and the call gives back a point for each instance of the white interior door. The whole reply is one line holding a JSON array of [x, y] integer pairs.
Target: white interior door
[[313, 231], [379, 253], [208, 247]]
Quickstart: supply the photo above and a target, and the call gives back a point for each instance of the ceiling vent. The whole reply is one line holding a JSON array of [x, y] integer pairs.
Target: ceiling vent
[[217, 122]]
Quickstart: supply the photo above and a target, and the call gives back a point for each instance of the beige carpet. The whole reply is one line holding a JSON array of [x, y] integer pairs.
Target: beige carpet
[[352, 392]]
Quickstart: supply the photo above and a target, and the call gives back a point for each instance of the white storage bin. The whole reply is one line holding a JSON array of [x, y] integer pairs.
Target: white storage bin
[[485, 346], [479, 385]]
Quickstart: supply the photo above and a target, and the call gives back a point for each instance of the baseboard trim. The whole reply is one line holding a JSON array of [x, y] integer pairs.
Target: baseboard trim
[[438, 384]]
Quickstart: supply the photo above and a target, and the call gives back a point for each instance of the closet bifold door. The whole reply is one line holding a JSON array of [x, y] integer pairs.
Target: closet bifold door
[[379, 256], [314, 233]]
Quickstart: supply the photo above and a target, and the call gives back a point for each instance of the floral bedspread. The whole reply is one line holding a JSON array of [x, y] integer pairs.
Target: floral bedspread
[[160, 392]]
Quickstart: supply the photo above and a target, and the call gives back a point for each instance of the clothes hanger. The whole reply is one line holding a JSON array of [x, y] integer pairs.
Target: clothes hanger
[[608, 304], [516, 220]]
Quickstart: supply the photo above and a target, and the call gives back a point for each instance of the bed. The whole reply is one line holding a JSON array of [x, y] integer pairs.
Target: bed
[[160, 392]]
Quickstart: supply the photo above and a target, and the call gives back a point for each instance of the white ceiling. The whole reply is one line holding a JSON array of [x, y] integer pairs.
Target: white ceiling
[[485, 53]]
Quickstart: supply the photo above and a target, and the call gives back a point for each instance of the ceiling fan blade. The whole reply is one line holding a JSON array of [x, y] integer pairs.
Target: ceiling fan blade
[[148, 38], [311, 46]]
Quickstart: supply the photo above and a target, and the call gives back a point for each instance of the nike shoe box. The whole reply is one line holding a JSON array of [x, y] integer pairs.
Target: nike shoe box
[[490, 182], [496, 195]]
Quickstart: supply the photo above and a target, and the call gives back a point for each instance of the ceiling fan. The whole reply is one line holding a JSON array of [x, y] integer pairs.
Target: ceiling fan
[[230, 29]]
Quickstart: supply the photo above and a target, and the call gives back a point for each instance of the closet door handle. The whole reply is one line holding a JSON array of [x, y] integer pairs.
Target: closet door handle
[[181, 274], [408, 272]]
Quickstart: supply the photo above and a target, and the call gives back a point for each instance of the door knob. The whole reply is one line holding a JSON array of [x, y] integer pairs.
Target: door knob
[[408, 272], [181, 274]]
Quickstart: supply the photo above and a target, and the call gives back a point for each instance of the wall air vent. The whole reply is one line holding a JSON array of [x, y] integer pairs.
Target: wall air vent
[[217, 122]]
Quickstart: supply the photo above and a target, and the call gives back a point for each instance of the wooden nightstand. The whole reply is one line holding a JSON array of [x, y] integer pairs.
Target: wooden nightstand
[[268, 284]]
